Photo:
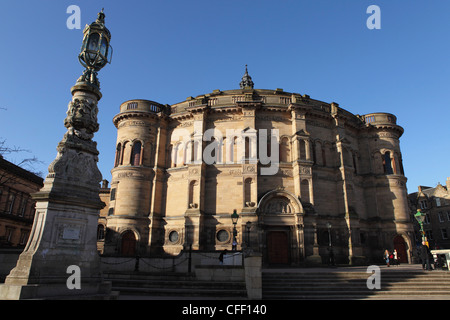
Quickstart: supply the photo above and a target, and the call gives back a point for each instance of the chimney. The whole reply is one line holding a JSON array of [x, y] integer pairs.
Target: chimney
[[105, 184]]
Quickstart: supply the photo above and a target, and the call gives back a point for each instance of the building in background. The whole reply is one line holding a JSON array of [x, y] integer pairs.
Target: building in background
[[101, 228], [16, 206], [339, 185], [435, 203]]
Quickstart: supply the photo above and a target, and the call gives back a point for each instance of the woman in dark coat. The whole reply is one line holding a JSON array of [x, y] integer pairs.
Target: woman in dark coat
[[424, 254]]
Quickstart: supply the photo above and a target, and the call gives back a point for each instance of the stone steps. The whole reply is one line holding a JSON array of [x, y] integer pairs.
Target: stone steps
[[172, 284], [335, 285]]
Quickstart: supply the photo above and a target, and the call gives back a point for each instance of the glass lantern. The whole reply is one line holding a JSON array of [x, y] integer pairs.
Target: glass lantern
[[95, 47]]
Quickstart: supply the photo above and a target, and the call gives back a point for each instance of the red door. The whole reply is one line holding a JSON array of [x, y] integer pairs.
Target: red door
[[278, 247], [400, 246], [128, 244]]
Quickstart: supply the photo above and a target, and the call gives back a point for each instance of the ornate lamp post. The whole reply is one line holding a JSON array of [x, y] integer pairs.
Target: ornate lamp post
[[420, 217], [330, 247], [64, 231], [95, 49], [234, 219]]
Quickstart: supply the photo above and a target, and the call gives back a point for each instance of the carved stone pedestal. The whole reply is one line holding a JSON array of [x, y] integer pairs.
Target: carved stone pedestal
[[62, 248]]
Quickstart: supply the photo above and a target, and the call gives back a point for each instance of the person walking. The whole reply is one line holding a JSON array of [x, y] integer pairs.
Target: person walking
[[222, 255], [424, 253], [386, 257], [395, 254]]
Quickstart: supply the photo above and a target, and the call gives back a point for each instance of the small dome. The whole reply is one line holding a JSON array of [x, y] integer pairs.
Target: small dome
[[246, 80]]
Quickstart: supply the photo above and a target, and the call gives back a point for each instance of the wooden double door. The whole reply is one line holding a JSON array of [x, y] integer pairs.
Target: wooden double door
[[278, 247]]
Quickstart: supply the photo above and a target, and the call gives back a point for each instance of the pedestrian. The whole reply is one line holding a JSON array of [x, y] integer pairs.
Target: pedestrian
[[222, 254], [331, 261], [386, 257], [396, 258], [424, 253]]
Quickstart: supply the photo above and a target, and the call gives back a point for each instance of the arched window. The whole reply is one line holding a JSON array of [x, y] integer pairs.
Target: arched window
[[234, 150], [387, 163], [100, 232], [302, 149], [189, 154], [124, 150], [285, 150], [136, 154], [248, 191], [178, 154], [118, 154], [193, 194], [247, 154]]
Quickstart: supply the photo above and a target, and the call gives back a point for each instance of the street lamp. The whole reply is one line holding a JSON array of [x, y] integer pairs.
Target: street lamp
[[94, 50], [420, 217], [234, 219], [330, 248], [329, 234]]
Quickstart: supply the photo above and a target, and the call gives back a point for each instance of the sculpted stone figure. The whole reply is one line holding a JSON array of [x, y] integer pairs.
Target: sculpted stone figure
[[82, 117]]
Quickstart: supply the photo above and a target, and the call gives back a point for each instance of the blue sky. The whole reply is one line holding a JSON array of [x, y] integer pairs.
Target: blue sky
[[168, 50]]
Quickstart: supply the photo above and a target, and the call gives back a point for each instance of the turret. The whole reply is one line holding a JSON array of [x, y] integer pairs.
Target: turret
[[132, 176]]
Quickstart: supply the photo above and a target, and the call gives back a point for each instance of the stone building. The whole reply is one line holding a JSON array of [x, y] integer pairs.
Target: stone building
[[435, 204], [305, 176], [16, 206]]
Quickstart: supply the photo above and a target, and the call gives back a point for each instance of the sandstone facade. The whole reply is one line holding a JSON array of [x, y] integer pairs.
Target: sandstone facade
[[339, 178]]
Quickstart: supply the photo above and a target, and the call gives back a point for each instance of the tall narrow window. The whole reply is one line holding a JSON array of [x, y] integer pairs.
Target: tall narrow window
[[285, 151], [113, 194], [193, 194], [136, 154], [100, 232], [123, 151], [387, 163], [23, 206], [118, 154], [247, 149], [11, 199], [324, 157], [234, 156], [302, 149], [248, 191]]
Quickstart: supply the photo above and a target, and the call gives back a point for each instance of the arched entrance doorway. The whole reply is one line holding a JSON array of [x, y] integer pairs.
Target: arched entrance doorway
[[400, 246], [281, 219], [128, 247]]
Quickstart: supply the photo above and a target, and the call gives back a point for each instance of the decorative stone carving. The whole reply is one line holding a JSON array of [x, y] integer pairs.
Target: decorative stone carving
[[82, 118], [279, 206], [76, 166]]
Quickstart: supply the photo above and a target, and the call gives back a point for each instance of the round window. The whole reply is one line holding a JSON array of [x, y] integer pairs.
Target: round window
[[223, 235], [173, 236]]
